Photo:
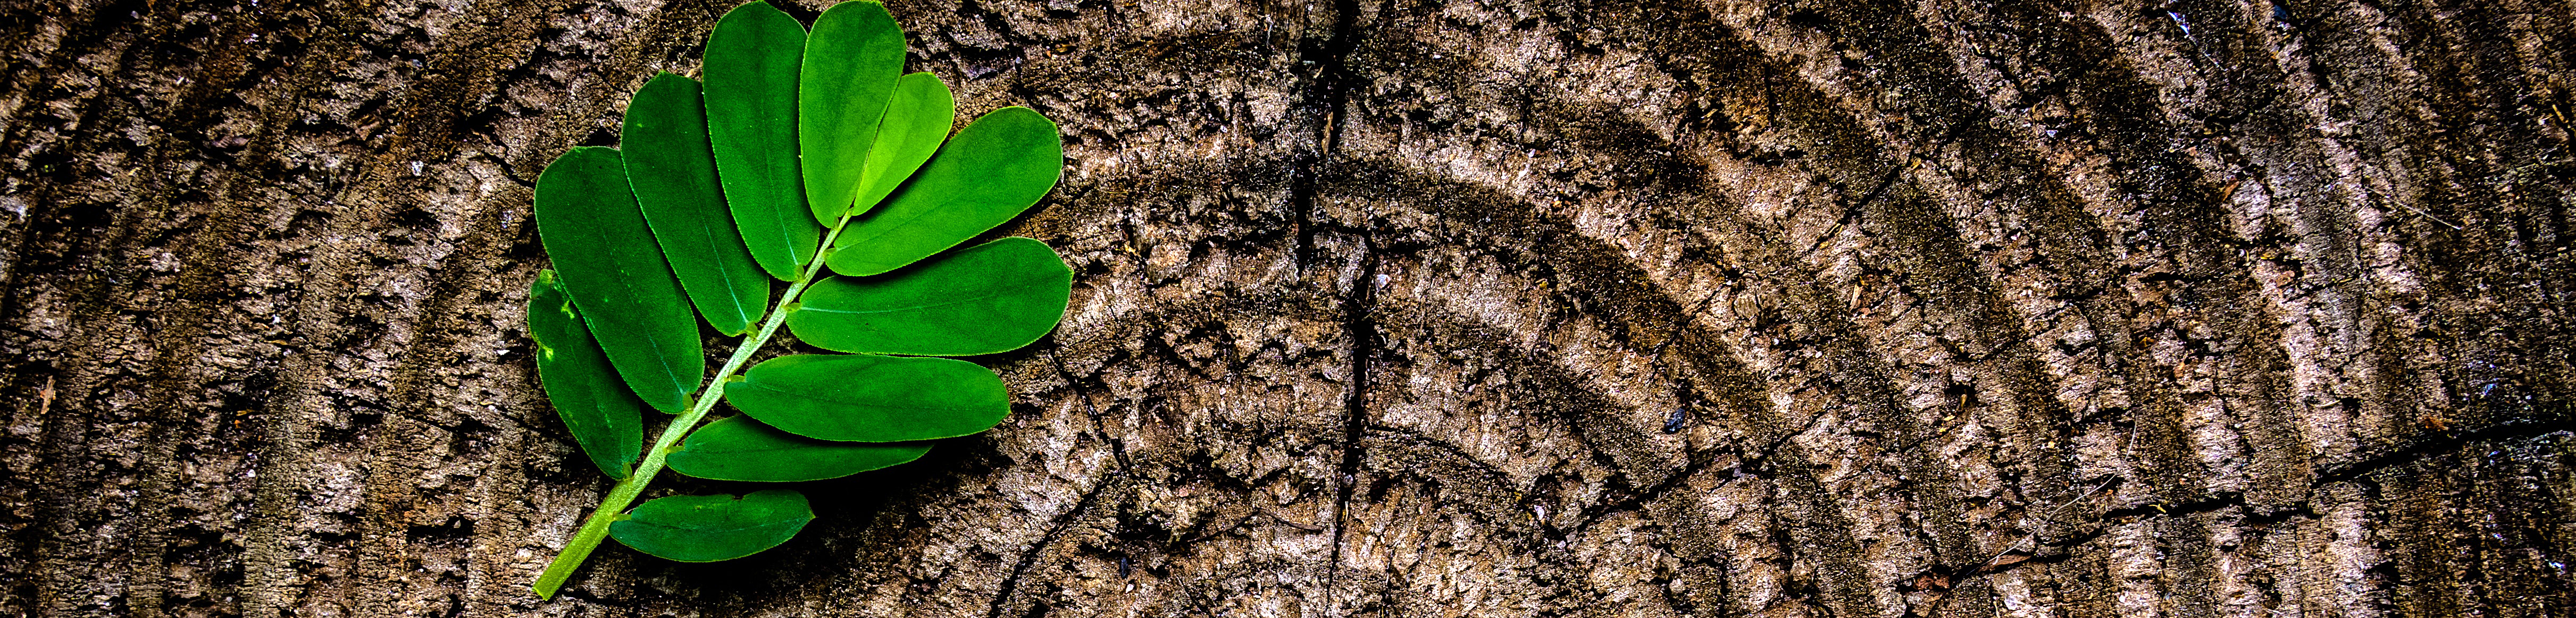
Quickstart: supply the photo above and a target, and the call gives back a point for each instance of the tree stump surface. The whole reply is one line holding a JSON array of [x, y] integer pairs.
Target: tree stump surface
[[1402, 308]]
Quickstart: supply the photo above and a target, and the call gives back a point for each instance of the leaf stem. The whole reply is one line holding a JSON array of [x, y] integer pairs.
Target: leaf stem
[[613, 507]]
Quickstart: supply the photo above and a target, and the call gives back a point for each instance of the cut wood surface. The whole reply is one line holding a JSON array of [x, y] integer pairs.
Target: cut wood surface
[[1393, 308]]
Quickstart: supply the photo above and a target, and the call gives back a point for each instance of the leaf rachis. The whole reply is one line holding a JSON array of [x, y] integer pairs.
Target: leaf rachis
[[613, 507]]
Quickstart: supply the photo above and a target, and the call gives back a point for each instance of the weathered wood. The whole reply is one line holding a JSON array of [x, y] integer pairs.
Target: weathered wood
[[1511, 308]]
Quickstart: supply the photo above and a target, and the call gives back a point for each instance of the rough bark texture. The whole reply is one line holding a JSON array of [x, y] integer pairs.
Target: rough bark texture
[[1386, 308]]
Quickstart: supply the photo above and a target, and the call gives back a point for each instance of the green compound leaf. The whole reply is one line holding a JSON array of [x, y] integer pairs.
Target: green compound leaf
[[605, 418], [915, 123], [592, 229], [995, 168], [715, 195], [673, 170], [868, 398], [741, 449], [712, 528], [852, 61], [752, 60], [989, 298]]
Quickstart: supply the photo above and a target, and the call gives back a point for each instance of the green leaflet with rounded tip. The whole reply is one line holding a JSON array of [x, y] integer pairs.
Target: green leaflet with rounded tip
[[741, 449], [916, 121], [989, 298], [604, 416], [993, 169], [673, 169], [712, 528], [852, 61], [869, 398], [591, 228], [752, 60]]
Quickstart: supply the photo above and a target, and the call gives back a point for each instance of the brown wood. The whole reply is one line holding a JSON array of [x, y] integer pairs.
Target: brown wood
[[1401, 308]]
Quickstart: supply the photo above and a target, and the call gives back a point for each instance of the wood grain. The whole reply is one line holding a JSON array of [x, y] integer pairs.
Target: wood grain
[[1399, 308]]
